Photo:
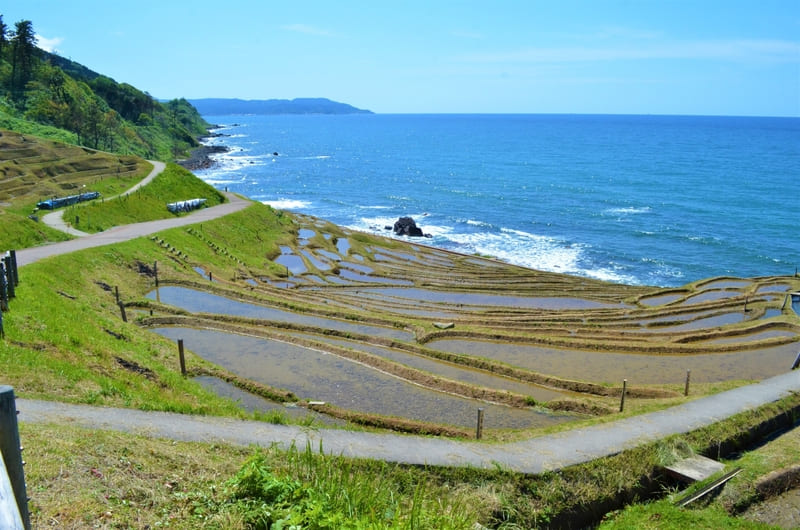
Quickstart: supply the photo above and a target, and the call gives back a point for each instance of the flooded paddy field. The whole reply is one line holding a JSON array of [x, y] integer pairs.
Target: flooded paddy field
[[199, 301], [318, 376], [637, 369], [252, 403], [451, 371], [337, 304]]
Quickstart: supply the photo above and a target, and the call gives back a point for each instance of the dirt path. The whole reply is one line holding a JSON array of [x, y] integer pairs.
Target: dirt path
[[536, 455]]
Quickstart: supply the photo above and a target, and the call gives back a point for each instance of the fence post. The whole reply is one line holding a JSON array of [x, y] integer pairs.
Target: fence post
[[796, 362], [9, 277], [686, 389], [3, 287], [122, 311], [479, 428], [622, 399], [181, 358], [12, 254], [155, 271], [11, 451]]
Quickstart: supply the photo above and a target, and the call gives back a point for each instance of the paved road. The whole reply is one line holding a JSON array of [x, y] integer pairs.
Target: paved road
[[536, 455], [56, 219], [531, 456], [119, 234]]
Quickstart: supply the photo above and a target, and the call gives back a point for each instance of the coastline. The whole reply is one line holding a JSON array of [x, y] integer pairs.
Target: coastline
[[201, 157]]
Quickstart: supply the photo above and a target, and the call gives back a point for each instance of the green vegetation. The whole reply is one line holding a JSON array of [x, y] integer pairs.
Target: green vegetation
[[145, 204], [69, 102], [33, 169]]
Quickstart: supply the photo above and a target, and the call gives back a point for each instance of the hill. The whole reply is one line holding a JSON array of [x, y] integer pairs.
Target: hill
[[44, 94], [217, 106]]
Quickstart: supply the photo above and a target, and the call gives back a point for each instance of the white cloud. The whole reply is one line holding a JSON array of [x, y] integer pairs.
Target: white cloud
[[50, 45], [308, 30]]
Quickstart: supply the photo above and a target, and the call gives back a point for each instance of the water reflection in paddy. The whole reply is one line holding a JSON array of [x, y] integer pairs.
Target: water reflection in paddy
[[354, 276], [320, 265], [754, 337], [661, 299], [291, 261], [199, 301], [487, 299], [637, 368], [342, 245], [707, 322], [253, 403], [445, 370], [315, 375]]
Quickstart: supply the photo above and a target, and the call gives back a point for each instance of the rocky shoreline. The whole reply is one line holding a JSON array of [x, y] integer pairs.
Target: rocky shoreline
[[201, 157]]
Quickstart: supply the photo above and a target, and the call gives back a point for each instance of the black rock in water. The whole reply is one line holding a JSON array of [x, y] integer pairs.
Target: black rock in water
[[405, 226]]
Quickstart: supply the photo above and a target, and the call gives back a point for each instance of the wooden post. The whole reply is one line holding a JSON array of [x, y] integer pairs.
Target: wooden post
[[210, 277], [9, 278], [155, 271], [3, 288], [116, 293], [122, 312], [686, 388], [479, 428], [796, 361], [11, 451], [12, 254], [622, 399], [181, 358]]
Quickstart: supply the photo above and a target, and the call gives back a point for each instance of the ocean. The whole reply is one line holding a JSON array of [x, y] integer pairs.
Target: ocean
[[646, 200]]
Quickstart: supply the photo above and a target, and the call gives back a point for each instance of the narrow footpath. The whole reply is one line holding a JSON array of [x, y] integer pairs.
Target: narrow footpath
[[539, 454], [56, 219]]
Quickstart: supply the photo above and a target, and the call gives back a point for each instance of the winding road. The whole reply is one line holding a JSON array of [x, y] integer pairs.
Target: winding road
[[542, 453]]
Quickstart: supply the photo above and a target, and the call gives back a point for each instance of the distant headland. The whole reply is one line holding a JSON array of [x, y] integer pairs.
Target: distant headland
[[219, 106]]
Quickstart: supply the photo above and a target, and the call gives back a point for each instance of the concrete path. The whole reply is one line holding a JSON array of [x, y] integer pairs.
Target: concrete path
[[119, 234], [56, 219], [536, 455]]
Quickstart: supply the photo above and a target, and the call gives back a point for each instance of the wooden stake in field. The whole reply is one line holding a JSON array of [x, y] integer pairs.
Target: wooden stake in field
[[479, 428], [181, 357], [622, 399], [688, 376]]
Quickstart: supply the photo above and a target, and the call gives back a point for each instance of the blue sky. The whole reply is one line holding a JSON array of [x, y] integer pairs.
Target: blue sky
[[709, 57]]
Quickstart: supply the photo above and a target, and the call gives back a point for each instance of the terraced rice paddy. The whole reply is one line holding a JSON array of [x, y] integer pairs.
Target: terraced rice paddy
[[385, 329]]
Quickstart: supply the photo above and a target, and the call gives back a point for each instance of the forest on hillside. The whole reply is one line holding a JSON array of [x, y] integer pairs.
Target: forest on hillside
[[41, 92]]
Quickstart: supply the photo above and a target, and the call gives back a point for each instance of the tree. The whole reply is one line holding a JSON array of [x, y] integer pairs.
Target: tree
[[23, 53], [3, 36]]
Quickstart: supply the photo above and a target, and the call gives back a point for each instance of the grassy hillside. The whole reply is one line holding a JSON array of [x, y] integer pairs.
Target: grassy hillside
[[55, 97], [33, 169]]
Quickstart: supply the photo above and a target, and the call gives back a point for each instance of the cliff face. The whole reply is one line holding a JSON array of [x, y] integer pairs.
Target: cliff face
[[217, 106]]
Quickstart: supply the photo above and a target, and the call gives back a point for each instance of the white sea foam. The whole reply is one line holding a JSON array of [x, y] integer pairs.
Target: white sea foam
[[288, 204], [630, 210], [522, 248]]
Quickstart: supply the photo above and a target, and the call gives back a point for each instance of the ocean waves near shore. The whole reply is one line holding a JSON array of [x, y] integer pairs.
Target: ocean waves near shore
[[630, 199]]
